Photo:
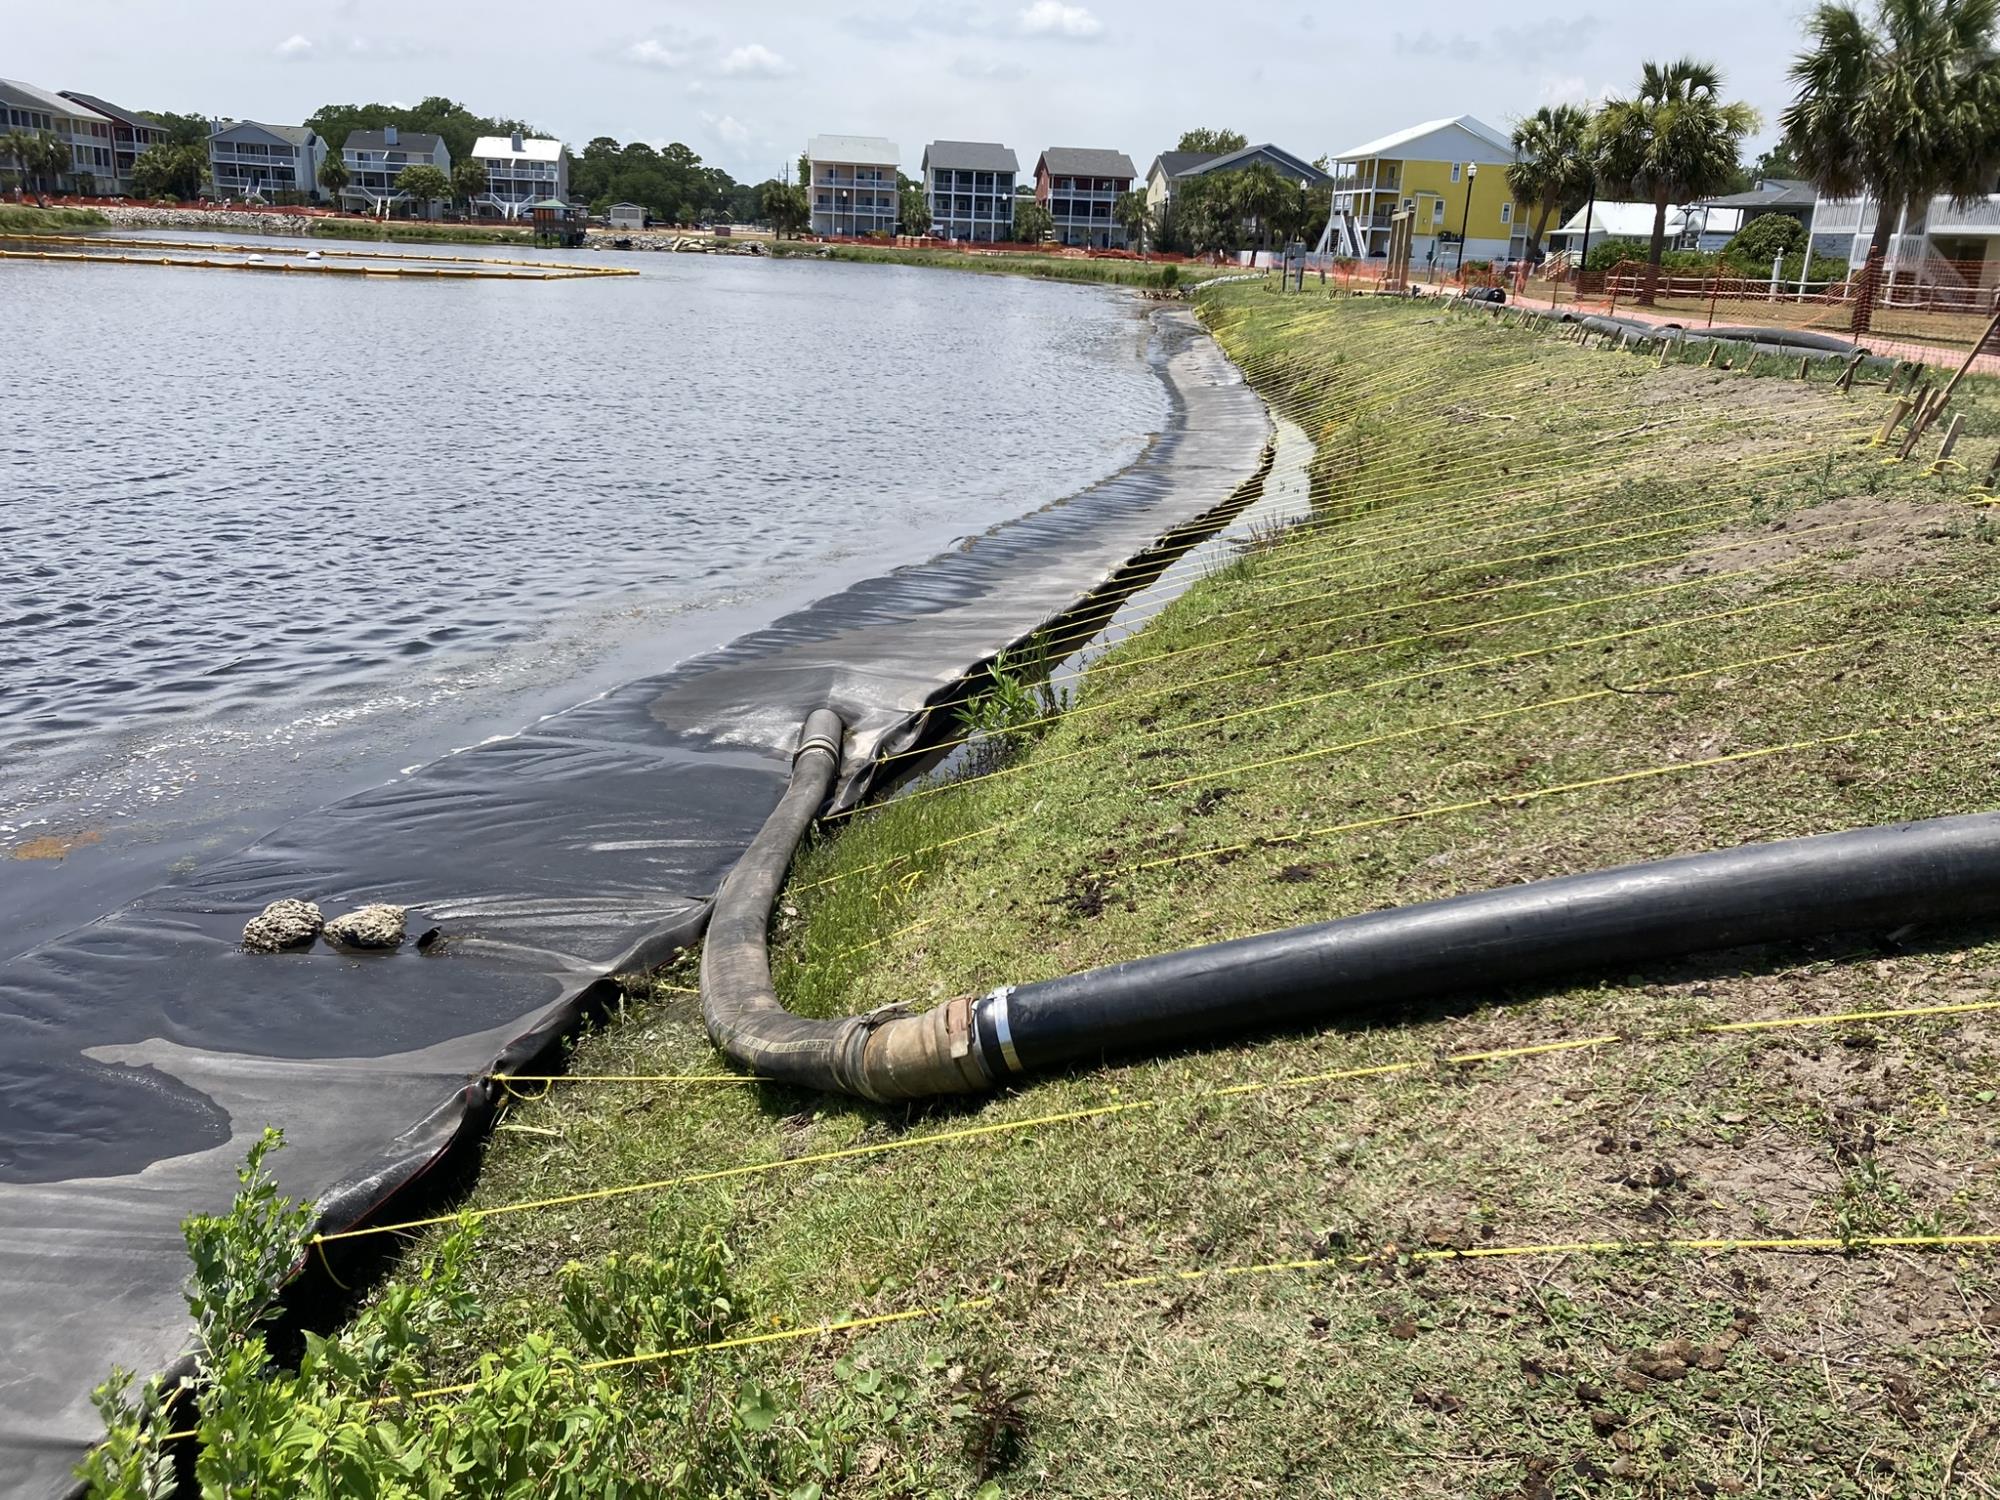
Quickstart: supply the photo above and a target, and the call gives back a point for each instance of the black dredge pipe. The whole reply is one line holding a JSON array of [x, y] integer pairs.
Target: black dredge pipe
[[1868, 879]]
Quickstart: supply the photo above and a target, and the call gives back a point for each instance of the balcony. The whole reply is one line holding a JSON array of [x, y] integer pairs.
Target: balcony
[[1982, 215]]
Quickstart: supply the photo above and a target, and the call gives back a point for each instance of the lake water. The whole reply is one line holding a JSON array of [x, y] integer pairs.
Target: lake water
[[266, 540]]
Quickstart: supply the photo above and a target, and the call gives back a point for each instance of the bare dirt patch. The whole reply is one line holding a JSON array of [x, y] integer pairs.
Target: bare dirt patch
[[1863, 538]]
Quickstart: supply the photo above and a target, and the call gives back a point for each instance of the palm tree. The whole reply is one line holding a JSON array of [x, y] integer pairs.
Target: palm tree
[[1134, 217], [333, 177], [53, 158], [1906, 110], [19, 147], [468, 181], [1553, 164], [1674, 139], [1257, 192]]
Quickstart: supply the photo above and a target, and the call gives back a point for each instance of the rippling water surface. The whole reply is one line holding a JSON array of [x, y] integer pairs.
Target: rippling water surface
[[267, 539]]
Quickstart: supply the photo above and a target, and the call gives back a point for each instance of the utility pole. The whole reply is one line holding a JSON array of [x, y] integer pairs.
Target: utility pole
[[1465, 220]]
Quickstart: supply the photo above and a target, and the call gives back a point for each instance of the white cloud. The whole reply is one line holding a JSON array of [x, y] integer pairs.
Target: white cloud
[[651, 53], [756, 61], [294, 47], [729, 128], [1054, 18]]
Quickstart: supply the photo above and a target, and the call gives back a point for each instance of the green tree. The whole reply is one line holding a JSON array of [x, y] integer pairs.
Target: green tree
[[1675, 139], [425, 184], [170, 170], [1903, 110], [182, 130], [468, 181], [19, 148], [1134, 216], [1032, 222], [1777, 162], [1763, 239], [1553, 164], [785, 208], [1219, 142], [45, 157], [333, 175], [1257, 194], [912, 206]]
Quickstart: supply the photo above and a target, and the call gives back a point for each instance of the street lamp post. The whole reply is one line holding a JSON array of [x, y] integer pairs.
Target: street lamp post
[[1465, 220]]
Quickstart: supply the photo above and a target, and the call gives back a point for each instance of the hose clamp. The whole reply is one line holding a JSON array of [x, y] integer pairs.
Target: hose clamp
[[996, 1012]]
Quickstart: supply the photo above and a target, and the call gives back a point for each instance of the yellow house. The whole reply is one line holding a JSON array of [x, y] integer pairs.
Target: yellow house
[[1452, 173]]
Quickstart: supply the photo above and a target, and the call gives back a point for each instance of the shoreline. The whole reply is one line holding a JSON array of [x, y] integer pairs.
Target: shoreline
[[600, 831], [1106, 1209]]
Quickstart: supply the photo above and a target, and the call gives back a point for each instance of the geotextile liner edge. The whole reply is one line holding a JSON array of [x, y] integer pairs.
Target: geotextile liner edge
[[146, 1049]]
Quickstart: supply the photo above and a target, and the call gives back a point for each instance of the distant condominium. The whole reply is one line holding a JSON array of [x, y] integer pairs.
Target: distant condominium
[[1079, 186], [90, 136], [376, 158], [521, 171], [132, 136], [853, 184], [250, 160], [970, 188]]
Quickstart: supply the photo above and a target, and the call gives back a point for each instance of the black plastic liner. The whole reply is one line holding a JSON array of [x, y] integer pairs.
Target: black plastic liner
[[145, 1051]]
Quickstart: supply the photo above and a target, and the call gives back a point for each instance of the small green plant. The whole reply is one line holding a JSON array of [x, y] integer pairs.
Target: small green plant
[[1019, 706], [391, 1406]]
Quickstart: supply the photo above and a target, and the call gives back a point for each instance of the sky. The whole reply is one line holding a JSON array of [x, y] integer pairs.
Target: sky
[[746, 82]]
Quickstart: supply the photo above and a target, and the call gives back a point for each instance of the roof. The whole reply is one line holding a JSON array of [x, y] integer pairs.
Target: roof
[[1390, 145], [55, 104], [298, 135], [616, 206], [860, 150], [1621, 221], [1174, 163], [130, 117], [420, 141], [533, 148], [1086, 161], [970, 156], [1234, 161], [1777, 192]]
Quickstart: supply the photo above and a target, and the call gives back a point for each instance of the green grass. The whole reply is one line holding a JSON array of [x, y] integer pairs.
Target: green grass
[[23, 218], [1043, 267], [1830, 1375], [413, 232]]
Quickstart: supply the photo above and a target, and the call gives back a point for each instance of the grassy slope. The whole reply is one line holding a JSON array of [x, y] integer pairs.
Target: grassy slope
[[1865, 1375], [20, 218], [1046, 267]]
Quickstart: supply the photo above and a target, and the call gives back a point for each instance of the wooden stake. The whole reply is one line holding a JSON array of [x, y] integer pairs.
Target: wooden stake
[[1846, 382], [1898, 410], [1665, 345], [1805, 364], [1951, 436], [1713, 350]]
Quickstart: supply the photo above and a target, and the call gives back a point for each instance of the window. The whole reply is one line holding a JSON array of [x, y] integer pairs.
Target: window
[[1506, 213], [1455, 169], [1409, 203], [1437, 208]]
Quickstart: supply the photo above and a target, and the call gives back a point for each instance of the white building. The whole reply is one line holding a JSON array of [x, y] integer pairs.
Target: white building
[[250, 160], [376, 158], [1943, 244], [970, 188], [520, 170], [90, 136], [854, 184], [1612, 219]]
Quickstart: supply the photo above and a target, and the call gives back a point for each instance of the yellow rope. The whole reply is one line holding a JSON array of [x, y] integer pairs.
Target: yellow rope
[[1388, 1253], [1120, 1107]]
